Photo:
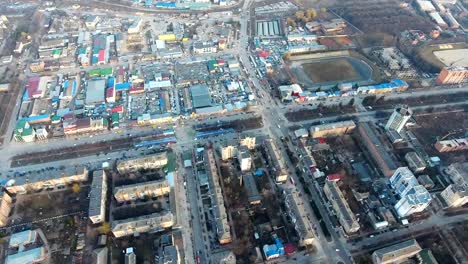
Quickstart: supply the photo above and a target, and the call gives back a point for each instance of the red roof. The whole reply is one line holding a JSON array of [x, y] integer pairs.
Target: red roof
[[117, 109], [263, 54], [109, 92], [322, 140], [334, 177], [33, 85], [136, 89], [289, 249], [102, 55]]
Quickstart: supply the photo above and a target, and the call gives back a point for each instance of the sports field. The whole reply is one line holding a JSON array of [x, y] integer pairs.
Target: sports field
[[330, 70]]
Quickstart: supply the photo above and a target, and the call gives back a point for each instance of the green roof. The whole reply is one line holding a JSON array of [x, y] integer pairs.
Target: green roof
[[115, 117], [101, 72], [23, 128], [212, 65], [56, 52]]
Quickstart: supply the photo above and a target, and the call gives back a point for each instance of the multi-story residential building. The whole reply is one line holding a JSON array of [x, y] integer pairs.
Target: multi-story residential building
[[223, 229], [39, 180], [415, 162], [345, 216], [142, 190], [296, 210], [413, 197], [455, 195], [452, 75], [248, 141], [5, 207], [397, 253], [147, 162], [97, 197], [451, 145], [332, 129], [100, 255], [397, 121], [228, 151], [130, 256], [143, 224], [276, 161], [245, 160]]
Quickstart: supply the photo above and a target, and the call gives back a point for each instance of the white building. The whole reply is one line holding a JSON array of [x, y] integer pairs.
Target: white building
[[455, 195], [413, 197], [401, 114], [245, 160]]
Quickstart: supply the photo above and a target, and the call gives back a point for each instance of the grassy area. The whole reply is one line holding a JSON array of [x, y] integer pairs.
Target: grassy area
[[331, 70]]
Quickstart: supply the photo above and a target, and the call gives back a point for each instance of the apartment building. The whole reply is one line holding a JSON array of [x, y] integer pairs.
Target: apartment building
[[147, 162], [142, 190], [276, 161], [46, 179], [400, 116], [397, 253], [413, 197], [296, 210], [142, 224], [97, 197], [248, 141], [332, 129], [244, 158], [345, 216], [222, 224]]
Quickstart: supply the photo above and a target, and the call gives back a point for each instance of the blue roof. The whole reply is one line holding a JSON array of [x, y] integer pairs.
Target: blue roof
[[73, 88], [214, 133], [65, 84], [122, 86], [25, 95], [110, 82], [156, 142], [35, 118], [166, 4]]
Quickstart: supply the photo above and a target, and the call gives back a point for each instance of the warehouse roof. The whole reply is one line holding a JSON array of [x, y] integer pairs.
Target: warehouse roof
[[95, 91], [200, 95]]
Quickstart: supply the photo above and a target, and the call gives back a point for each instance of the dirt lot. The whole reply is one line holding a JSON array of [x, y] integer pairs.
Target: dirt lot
[[37, 206], [432, 127]]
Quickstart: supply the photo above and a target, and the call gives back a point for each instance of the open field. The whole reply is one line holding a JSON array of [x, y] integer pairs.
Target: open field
[[434, 126]]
